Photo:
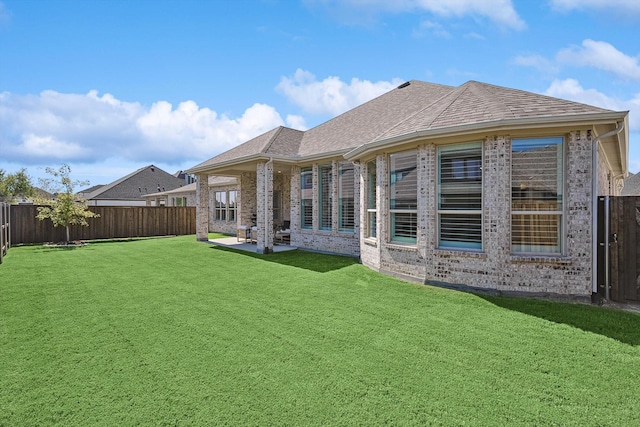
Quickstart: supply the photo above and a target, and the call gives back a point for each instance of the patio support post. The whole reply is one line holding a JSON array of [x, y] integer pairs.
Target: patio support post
[[202, 207], [264, 192]]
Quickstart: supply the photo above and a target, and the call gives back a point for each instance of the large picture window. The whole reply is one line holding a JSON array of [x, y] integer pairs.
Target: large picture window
[[537, 182], [403, 196], [346, 208], [372, 195], [306, 198], [324, 196], [460, 196]]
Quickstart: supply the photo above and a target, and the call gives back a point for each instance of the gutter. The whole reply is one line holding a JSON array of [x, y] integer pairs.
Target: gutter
[[492, 126], [594, 215]]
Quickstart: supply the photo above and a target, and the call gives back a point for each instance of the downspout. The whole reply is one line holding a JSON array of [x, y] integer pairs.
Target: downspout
[[594, 212], [266, 206]]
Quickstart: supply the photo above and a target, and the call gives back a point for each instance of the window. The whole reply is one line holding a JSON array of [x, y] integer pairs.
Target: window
[[306, 198], [233, 205], [403, 190], [460, 196], [372, 195], [346, 208], [537, 177], [221, 206], [324, 196], [277, 205]]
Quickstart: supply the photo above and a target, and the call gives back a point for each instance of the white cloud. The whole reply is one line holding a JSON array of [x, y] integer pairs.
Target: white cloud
[[624, 6], [53, 126], [296, 122], [429, 27], [538, 62], [603, 56], [331, 95], [572, 90], [500, 12]]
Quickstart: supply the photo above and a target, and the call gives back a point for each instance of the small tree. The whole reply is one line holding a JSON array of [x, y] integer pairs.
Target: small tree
[[14, 185], [67, 208]]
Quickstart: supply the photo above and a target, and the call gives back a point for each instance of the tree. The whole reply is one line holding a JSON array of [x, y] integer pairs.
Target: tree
[[14, 185], [67, 208]]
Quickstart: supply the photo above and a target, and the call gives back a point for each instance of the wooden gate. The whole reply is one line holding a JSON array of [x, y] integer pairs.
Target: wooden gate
[[624, 253]]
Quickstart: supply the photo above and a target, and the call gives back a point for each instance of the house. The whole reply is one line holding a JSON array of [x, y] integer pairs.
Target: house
[[222, 196], [476, 185], [131, 189], [631, 185]]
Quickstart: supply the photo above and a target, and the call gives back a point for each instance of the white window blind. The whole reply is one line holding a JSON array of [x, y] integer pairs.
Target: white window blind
[[346, 208], [324, 196], [403, 196], [306, 198], [460, 196], [537, 182]]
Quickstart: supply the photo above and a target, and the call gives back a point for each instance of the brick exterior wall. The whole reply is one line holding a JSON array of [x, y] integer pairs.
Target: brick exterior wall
[[494, 267]]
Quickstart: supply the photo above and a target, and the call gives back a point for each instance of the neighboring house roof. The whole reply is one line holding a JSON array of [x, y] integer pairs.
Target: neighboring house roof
[[417, 109], [84, 193], [149, 179], [631, 185], [191, 188]]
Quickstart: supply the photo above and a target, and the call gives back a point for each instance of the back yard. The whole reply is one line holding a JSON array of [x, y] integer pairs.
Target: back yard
[[176, 332]]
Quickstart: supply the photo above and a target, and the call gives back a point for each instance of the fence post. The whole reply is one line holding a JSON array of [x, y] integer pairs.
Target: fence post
[[5, 233]]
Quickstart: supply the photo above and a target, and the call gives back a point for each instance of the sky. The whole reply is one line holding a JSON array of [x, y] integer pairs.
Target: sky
[[108, 87]]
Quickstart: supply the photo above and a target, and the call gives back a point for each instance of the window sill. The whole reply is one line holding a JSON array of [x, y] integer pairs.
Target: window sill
[[541, 259], [371, 242], [399, 246], [460, 253]]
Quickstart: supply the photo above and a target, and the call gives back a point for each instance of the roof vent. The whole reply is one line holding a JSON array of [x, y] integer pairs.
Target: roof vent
[[403, 85]]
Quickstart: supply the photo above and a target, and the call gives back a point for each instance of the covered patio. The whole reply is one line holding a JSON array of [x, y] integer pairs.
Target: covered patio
[[233, 243]]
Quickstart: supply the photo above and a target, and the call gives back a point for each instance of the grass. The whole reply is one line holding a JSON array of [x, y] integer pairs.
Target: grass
[[176, 332]]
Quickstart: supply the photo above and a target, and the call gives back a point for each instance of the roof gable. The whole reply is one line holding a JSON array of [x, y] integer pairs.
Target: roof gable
[[149, 179]]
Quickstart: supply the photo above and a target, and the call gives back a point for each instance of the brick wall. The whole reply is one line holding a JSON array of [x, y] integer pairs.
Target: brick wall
[[494, 267]]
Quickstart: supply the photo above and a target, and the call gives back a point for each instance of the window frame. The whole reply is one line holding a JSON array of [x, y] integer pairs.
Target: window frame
[[394, 212], [306, 204], [464, 177], [372, 200], [346, 188], [561, 170], [325, 196]]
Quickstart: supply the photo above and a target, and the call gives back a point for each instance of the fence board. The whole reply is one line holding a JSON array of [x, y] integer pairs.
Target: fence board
[[114, 222]]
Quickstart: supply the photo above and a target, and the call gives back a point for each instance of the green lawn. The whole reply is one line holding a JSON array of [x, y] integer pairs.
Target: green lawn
[[176, 332]]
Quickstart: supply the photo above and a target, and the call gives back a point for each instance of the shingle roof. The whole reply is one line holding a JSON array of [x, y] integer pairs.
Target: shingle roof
[[412, 107], [364, 123], [279, 141], [631, 185], [475, 103], [149, 179], [191, 188]]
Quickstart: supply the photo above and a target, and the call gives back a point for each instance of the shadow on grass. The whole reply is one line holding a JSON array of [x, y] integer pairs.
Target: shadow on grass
[[320, 263], [619, 325]]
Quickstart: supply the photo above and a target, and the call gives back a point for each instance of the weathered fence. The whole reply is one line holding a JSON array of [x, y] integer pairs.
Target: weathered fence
[[114, 222], [5, 229]]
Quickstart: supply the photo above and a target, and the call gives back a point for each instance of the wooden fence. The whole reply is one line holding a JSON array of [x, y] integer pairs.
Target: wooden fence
[[5, 229], [114, 222], [624, 249]]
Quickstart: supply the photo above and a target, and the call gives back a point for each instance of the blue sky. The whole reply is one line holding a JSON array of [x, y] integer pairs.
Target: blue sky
[[111, 86]]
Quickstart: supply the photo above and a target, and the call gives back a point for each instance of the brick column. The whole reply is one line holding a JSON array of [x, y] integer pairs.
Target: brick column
[[264, 172], [202, 207]]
